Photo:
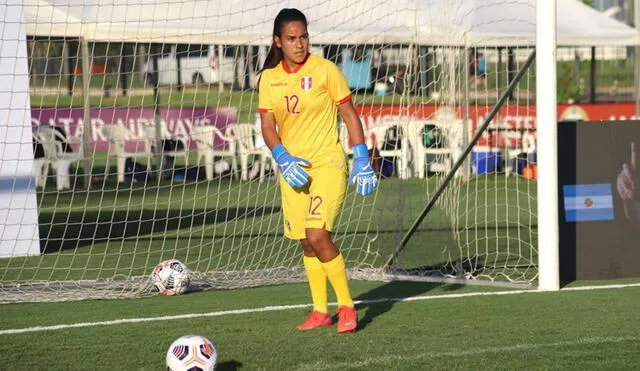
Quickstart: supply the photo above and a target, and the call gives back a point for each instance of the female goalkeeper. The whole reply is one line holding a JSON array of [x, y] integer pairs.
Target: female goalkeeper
[[302, 93]]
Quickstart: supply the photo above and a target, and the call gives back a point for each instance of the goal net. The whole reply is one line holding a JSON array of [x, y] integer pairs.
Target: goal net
[[147, 146]]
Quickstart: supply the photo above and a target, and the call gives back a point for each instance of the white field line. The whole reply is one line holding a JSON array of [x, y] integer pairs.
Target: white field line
[[391, 360], [287, 307]]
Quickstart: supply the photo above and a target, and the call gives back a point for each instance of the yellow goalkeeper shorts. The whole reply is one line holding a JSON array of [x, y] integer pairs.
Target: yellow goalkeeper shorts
[[318, 203]]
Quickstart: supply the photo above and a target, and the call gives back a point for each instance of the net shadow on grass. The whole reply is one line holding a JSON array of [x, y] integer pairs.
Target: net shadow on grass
[[71, 230], [381, 299]]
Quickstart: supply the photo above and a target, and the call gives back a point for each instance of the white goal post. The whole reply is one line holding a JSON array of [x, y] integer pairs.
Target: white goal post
[[18, 210], [144, 128], [547, 118]]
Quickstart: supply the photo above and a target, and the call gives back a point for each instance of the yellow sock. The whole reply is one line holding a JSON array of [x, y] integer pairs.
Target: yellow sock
[[317, 283], [336, 271]]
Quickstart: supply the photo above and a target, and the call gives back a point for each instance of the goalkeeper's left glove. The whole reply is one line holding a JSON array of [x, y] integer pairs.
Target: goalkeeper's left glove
[[362, 173]]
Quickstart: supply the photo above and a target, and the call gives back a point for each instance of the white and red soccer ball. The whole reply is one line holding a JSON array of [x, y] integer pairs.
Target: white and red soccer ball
[[192, 352], [171, 277]]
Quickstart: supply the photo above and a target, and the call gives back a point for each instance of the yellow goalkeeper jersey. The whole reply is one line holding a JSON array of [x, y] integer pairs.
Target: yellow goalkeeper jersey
[[305, 104]]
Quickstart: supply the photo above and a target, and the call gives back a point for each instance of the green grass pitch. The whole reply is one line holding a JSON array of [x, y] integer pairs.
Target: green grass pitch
[[573, 330]]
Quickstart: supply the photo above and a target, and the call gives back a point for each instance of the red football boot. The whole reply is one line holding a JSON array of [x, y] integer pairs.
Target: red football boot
[[347, 319], [316, 319]]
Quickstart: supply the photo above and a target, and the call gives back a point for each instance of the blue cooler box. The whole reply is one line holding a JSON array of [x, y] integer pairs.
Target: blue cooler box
[[485, 162]]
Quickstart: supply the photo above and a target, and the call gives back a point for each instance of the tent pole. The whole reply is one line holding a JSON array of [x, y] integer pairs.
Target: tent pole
[[122, 69], [220, 61], [66, 69], [156, 113], [72, 61], [86, 124], [466, 123], [592, 74], [636, 65]]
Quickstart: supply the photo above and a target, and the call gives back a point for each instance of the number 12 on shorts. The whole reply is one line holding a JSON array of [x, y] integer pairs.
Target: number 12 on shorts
[[314, 206]]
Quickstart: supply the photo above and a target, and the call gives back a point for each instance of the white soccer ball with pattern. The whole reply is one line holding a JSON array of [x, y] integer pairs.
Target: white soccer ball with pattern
[[192, 352], [171, 277]]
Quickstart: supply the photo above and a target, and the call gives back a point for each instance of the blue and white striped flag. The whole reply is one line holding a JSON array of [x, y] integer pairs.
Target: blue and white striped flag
[[587, 202]]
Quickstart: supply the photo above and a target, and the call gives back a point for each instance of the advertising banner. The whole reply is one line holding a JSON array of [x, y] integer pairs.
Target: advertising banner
[[175, 122], [513, 127]]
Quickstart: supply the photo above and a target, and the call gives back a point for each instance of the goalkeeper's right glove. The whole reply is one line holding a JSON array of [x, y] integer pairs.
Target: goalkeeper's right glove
[[291, 167]]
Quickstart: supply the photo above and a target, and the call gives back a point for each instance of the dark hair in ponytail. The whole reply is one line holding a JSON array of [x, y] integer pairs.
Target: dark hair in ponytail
[[284, 16]]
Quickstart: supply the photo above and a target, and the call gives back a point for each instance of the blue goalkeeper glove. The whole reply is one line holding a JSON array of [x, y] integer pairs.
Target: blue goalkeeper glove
[[290, 167], [362, 173]]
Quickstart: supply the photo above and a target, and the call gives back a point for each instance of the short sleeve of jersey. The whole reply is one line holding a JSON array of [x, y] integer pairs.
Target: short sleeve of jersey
[[337, 85], [264, 98]]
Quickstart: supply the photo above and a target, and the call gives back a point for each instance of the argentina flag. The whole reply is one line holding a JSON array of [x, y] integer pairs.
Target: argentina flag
[[587, 202]]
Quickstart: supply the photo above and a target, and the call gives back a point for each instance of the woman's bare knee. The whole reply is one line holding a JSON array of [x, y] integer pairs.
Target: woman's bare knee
[[322, 244], [307, 248]]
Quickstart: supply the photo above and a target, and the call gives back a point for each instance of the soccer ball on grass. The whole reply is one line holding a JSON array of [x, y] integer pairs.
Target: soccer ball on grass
[[171, 277], [192, 352]]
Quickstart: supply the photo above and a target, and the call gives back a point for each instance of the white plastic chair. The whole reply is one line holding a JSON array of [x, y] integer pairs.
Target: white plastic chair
[[53, 144], [245, 138], [41, 170], [40, 164], [443, 156], [204, 137], [120, 141], [184, 153]]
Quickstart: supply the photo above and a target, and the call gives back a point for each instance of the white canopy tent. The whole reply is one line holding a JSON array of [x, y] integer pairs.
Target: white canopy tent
[[44, 19], [513, 23], [237, 22], [230, 22]]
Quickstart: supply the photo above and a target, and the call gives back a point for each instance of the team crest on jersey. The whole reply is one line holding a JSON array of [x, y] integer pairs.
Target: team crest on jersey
[[306, 83]]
